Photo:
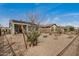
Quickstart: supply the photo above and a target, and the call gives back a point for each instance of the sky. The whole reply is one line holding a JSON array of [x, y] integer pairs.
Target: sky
[[63, 14]]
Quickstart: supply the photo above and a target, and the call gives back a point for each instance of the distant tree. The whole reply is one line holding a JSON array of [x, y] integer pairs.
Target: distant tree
[[65, 29], [71, 28]]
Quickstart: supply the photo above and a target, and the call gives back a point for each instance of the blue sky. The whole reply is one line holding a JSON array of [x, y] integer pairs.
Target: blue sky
[[59, 13]]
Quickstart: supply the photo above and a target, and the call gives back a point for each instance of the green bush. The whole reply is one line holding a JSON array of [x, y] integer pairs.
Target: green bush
[[32, 37]]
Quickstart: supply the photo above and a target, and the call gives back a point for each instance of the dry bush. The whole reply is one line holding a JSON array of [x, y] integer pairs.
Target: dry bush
[[50, 33], [45, 36], [56, 37]]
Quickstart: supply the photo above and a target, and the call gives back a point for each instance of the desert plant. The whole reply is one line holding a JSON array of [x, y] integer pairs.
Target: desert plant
[[71, 28], [33, 34], [45, 36], [32, 37], [50, 33]]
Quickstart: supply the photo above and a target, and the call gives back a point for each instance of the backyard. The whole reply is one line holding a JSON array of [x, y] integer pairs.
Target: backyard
[[48, 45]]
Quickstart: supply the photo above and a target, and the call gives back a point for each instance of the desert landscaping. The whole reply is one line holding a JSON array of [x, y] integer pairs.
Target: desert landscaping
[[49, 43], [47, 46], [39, 29]]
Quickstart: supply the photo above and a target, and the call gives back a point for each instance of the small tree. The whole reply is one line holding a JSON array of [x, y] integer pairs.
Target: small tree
[[71, 28], [65, 30], [33, 34]]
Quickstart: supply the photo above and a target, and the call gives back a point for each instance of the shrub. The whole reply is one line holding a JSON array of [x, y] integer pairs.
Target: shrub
[[50, 33], [45, 36], [32, 37]]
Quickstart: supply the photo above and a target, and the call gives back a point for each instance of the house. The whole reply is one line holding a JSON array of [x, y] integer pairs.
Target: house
[[48, 28], [44, 28], [15, 26], [4, 30], [54, 28]]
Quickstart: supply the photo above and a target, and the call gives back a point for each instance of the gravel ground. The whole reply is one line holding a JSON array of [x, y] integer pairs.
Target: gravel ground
[[47, 46], [73, 49], [50, 46]]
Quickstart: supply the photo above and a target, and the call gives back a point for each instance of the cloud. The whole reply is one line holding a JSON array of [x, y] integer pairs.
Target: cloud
[[4, 22], [45, 8], [67, 19], [73, 23], [55, 19], [47, 21], [69, 14], [63, 20]]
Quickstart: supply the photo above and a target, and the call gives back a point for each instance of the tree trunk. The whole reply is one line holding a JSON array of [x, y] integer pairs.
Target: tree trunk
[[24, 36]]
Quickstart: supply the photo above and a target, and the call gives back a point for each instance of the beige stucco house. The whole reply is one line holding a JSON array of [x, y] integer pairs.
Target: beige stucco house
[[48, 28], [15, 26]]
